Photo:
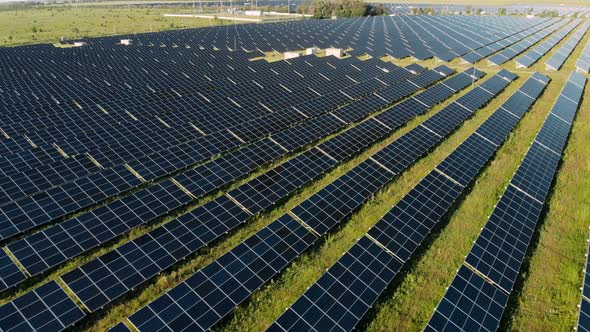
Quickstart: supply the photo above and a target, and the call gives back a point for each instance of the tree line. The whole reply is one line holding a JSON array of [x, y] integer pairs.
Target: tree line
[[340, 8]]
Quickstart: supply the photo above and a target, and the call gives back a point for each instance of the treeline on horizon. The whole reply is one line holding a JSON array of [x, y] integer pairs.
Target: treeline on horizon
[[340, 8]]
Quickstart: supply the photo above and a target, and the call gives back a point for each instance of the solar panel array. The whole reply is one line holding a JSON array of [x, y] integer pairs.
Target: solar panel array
[[43, 250], [319, 214], [584, 315], [558, 59], [421, 37], [535, 54], [511, 41], [100, 140], [583, 63], [33, 211], [479, 293], [45, 308], [363, 273], [99, 282], [24, 213], [514, 50]]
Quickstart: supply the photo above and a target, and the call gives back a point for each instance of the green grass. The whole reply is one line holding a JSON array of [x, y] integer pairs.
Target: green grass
[[419, 292], [47, 24], [267, 304], [551, 290]]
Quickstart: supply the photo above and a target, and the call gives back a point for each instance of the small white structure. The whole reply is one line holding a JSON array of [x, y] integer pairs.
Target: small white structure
[[337, 52], [291, 55], [530, 16], [253, 12], [125, 41], [79, 44], [311, 51]]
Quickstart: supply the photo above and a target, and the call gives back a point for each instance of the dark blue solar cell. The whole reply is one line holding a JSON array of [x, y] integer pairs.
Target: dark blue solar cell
[[470, 304], [45, 308]]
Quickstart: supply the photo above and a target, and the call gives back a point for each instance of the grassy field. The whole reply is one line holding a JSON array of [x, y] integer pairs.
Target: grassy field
[[47, 24], [267, 304]]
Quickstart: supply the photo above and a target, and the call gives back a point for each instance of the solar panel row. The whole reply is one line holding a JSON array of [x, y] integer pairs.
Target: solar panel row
[[377, 36], [96, 286], [514, 50], [479, 293], [583, 63], [512, 39], [49, 248], [536, 53], [397, 235], [320, 213], [45, 308], [43, 207], [584, 315], [558, 59]]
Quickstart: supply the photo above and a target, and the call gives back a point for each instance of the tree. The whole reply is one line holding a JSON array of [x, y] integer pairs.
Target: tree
[[341, 8], [501, 11]]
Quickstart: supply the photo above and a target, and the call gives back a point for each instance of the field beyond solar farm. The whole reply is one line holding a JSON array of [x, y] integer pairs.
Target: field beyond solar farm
[[178, 174]]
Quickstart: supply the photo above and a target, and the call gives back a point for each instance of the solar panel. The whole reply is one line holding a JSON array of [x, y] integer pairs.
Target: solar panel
[[111, 275], [553, 133], [584, 319], [466, 161], [46, 249], [97, 296], [40, 209], [443, 122], [534, 34], [271, 187], [309, 132], [359, 110], [354, 140], [213, 292], [586, 286], [499, 125], [559, 58], [397, 235], [583, 63], [398, 155], [334, 302], [221, 171], [10, 274], [565, 109], [331, 205], [535, 173], [469, 297], [501, 247], [120, 328], [535, 54], [45, 308], [427, 78], [402, 112], [404, 227], [434, 95]]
